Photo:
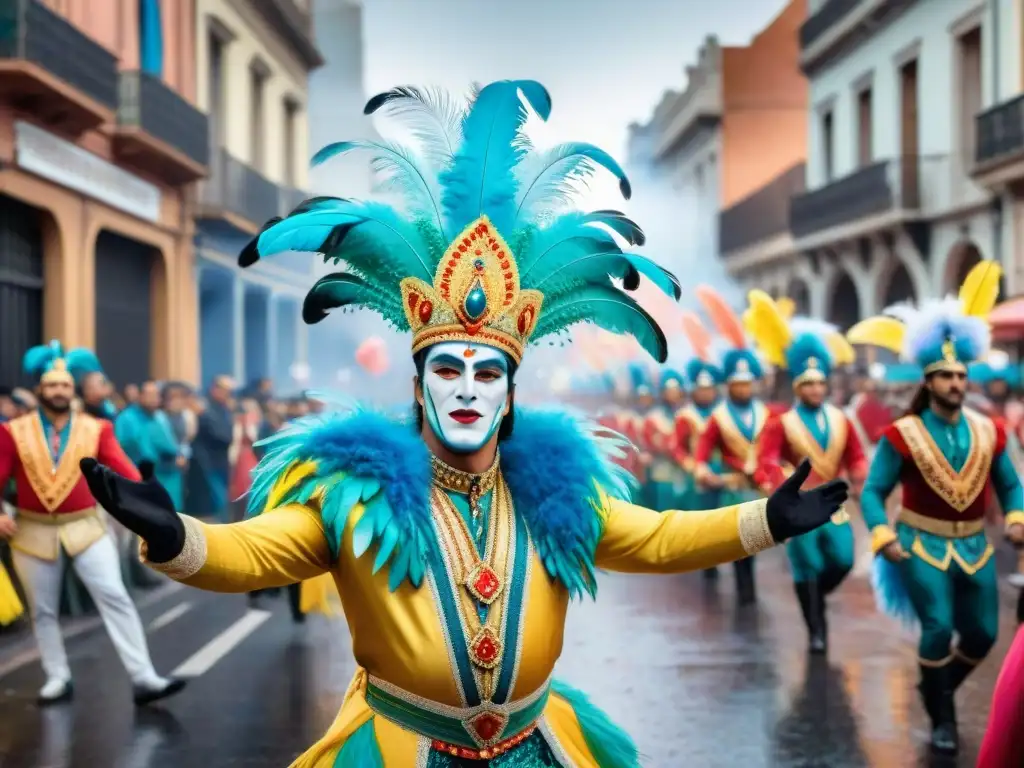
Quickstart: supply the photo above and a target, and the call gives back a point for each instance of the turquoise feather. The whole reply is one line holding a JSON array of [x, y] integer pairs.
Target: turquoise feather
[[619, 223], [595, 268], [609, 745], [482, 179], [361, 749], [550, 179]]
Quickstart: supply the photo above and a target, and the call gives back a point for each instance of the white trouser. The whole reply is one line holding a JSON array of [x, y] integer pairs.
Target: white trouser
[[99, 568]]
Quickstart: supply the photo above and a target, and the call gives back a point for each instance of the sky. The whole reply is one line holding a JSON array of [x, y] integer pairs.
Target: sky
[[606, 63]]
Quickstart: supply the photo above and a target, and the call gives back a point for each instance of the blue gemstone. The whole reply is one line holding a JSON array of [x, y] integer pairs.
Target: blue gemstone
[[476, 302]]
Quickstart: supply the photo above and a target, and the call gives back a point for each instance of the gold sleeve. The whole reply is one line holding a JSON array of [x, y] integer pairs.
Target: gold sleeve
[[280, 547], [639, 540]]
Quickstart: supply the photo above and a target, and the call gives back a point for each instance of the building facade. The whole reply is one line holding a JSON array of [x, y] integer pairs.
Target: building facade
[[999, 128], [100, 142], [739, 123], [253, 59], [890, 212]]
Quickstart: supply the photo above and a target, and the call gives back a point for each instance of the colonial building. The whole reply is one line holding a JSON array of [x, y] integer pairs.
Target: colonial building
[[254, 59], [738, 124], [999, 129], [99, 143], [891, 212]]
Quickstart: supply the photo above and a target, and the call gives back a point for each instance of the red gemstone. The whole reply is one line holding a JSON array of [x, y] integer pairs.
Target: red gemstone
[[426, 310], [413, 300], [483, 583], [485, 649], [463, 247], [487, 726], [524, 320]]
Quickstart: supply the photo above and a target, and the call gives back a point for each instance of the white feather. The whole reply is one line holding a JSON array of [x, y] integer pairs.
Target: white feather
[[434, 119]]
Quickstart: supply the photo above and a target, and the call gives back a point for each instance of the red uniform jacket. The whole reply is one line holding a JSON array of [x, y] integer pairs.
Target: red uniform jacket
[[659, 437], [942, 494], [785, 442], [43, 488], [1003, 745], [723, 434], [690, 425], [872, 416]]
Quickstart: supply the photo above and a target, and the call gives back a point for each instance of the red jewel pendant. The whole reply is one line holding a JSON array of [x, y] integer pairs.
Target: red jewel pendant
[[485, 650], [488, 726], [484, 584]]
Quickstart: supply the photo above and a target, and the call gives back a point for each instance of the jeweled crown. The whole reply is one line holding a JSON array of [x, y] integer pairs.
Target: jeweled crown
[[475, 296]]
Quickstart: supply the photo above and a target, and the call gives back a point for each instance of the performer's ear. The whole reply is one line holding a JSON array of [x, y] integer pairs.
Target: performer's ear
[[417, 390]]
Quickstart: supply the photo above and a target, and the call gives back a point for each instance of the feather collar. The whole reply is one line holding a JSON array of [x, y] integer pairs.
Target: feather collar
[[554, 463]]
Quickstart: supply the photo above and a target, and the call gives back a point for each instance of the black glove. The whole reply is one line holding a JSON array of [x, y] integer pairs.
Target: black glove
[[144, 508], [792, 512]]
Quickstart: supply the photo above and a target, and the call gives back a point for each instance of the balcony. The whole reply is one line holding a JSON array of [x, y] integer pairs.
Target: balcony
[[293, 21], [884, 193], [160, 132], [999, 154], [241, 197], [52, 70], [842, 24], [762, 215]]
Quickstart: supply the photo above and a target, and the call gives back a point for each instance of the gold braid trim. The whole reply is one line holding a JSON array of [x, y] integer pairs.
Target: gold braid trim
[[755, 535], [190, 560], [881, 537], [1015, 517]]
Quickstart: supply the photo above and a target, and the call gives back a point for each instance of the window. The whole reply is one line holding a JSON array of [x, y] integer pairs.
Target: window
[[970, 58], [215, 86], [865, 152], [827, 149], [291, 116], [151, 38], [258, 74]]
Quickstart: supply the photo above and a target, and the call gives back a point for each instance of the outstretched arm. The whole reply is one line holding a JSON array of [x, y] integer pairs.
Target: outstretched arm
[[1006, 483], [881, 480], [639, 540]]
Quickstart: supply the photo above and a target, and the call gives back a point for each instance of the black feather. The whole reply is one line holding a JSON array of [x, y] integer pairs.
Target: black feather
[[631, 279], [337, 236], [337, 289], [633, 235], [251, 254]]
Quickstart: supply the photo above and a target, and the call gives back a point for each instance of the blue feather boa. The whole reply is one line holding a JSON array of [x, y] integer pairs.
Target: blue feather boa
[[554, 464]]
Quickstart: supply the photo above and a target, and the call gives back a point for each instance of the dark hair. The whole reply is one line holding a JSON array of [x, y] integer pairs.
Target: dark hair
[[922, 399], [507, 422]]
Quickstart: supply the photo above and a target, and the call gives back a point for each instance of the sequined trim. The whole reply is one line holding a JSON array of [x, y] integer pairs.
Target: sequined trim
[[522, 619], [191, 558], [958, 489], [459, 713], [755, 535], [422, 752], [826, 462], [453, 663], [52, 484], [456, 480], [557, 750]]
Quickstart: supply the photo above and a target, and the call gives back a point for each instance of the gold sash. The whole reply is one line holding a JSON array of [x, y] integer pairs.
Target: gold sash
[[732, 435], [43, 536], [958, 489], [52, 484], [826, 462]]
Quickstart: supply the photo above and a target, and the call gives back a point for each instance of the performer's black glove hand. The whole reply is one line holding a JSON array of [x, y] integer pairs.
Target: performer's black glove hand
[[144, 508], [792, 511]]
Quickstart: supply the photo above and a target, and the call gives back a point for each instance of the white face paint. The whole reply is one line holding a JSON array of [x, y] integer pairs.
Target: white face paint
[[465, 388]]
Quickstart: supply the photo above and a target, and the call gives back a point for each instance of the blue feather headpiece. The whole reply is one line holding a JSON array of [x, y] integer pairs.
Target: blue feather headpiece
[[703, 374], [671, 378], [741, 365], [808, 357], [487, 248], [49, 362], [640, 378], [939, 336]]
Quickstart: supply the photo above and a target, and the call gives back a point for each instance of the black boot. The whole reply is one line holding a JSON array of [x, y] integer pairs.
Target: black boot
[[959, 669], [295, 603], [937, 695], [812, 606], [745, 590], [831, 579]]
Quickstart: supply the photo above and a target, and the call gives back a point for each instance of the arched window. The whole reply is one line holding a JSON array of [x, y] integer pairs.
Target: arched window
[[151, 38]]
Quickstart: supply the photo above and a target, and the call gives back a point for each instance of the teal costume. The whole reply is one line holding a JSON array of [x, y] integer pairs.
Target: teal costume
[[668, 483], [149, 437], [694, 420], [945, 466]]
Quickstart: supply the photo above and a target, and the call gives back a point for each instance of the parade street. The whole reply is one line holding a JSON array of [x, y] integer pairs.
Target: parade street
[[697, 682]]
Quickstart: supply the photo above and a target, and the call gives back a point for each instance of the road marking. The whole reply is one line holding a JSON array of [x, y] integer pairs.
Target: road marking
[[31, 654], [202, 660], [167, 617]]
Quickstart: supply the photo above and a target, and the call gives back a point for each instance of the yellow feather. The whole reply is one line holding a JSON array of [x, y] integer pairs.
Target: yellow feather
[[879, 331], [980, 291], [765, 323], [842, 351], [787, 307]]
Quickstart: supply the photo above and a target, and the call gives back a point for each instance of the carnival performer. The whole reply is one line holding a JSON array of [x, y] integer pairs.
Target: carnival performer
[[458, 538], [640, 406], [667, 478], [815, 430], [733, 428], [57, 521], [936, 562]]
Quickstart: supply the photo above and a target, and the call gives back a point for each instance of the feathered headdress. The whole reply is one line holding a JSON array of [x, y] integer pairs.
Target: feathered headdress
[[944, 334], [739, 362], [49, 362], [488, 248], [640, 377]]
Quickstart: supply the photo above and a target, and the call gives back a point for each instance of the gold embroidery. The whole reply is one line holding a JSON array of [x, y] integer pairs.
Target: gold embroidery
[[733, 438], [697, 423], [190, 560], [958, 489], [755, 535], [54, 484], [826, 462], [951, 555]]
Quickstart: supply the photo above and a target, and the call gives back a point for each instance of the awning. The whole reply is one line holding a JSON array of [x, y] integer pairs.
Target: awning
[[1007, 320]]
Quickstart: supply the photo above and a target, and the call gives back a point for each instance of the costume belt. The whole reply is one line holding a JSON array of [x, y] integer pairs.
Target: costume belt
[[473, 733], [57, 518], [950, 529]]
